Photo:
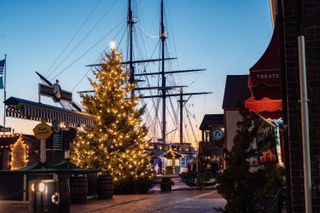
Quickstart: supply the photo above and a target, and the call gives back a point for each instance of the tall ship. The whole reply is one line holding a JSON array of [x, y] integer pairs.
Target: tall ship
[[173, 137]]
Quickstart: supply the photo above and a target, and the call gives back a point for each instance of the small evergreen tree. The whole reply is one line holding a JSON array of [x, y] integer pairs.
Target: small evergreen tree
[[243, 189], [116, 143]]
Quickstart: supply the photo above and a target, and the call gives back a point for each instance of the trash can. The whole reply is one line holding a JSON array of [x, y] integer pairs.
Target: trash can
[[44, 196]]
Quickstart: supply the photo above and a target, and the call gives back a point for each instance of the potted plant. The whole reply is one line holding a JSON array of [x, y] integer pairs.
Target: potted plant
[[166, 184]]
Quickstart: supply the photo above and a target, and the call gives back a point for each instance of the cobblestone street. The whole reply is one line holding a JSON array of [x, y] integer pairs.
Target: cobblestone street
[[190, 201]]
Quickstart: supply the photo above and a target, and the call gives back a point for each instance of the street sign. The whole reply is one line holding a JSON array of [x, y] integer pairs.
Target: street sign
[[42, 131], [5, 129]]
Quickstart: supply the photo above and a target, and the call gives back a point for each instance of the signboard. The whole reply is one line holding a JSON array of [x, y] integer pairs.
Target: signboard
[[217, 134], [42, 131], [55, 92], [55, 141], [5, 129], [266, 77], [184, 162]]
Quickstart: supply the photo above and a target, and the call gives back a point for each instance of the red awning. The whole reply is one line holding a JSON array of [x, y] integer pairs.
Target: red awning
[[265, 104], [263, 91], [264, 79], [266, 107], [267, 69]]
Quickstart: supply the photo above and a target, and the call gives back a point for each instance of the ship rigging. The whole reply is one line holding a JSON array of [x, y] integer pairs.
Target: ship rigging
[[162, 90]]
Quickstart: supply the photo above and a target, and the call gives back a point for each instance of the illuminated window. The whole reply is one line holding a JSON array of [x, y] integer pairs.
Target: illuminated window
[[177, 162], [19, 154]]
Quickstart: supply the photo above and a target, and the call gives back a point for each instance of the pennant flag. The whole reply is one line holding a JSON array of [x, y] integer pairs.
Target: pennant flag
[[1, 82], [2, 66]]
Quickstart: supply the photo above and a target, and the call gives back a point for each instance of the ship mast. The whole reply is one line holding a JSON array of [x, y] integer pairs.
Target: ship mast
[[164, 87], [181, 104], [163, 77], [130, 26]]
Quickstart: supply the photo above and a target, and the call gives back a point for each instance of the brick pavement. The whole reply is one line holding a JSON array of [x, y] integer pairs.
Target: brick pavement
[[176, 201]]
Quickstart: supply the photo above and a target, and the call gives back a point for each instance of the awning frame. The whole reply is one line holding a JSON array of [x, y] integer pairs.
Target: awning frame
[[30, 110]]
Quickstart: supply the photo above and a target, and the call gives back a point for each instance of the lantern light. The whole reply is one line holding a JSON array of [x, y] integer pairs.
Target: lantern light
[[42, 187]]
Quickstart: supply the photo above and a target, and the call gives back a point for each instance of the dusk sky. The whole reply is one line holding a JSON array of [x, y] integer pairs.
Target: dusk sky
[[224, 37]]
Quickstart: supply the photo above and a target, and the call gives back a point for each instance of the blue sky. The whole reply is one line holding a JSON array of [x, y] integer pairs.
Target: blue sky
[[225, 37]]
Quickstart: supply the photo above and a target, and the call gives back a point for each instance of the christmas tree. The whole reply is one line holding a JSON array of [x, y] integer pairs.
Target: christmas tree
[[116, 143], [244, 189]]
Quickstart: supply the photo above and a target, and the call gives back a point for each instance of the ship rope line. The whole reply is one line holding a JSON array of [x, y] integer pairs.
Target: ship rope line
[[89, 49], [155, 104], [174, 119], [147, 33], [72, 39], [155, 122], [170, 99], [80, 42], [164, 89], [190, 123], [86, 74], [173, 137], [81, 79]]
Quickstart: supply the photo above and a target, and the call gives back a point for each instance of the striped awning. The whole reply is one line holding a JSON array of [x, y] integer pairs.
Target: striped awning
[[30, 110]]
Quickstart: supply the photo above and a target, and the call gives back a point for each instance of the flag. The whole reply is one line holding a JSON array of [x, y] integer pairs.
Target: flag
[[1, 82], [2, 66]]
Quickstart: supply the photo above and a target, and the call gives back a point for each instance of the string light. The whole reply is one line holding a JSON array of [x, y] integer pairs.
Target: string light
[[112, 45], [19, 154], [115, 144]]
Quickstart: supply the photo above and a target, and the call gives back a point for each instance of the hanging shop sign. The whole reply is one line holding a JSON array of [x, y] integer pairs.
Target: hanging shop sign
[[217, 134], [42, 131], [55, 92], [55, 141]]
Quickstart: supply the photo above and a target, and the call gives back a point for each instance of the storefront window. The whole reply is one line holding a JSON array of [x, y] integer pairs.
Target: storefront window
[[177, 162]]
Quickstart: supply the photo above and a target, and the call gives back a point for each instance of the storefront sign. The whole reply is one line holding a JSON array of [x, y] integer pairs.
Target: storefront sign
[[42, 131], [57, 141], [55, 92], [5, 129], [267, 77]]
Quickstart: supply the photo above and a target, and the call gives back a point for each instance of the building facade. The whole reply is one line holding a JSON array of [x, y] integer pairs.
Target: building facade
[[310, 21]]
